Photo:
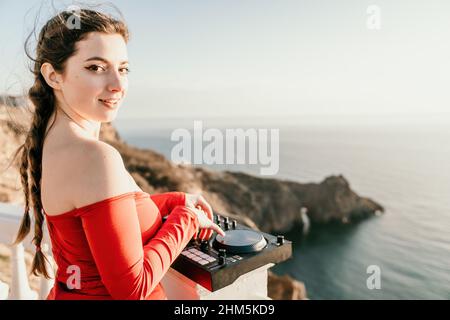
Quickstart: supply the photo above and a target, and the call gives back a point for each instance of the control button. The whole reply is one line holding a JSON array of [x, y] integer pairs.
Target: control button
[[204, 246], [203, 262], [222, 256], [211, 259], [237, 257], [196, 258], [226, 225], [280, 239], [226, 219], [233, 224], [231, 259]]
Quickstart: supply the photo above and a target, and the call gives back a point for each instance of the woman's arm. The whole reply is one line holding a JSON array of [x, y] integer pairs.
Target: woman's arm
[[167, 201], [128, 269]]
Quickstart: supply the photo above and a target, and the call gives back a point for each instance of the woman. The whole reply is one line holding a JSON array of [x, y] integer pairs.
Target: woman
[[108, 239]]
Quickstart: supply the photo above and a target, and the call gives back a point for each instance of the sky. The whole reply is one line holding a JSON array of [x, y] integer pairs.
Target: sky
[[266, 58]]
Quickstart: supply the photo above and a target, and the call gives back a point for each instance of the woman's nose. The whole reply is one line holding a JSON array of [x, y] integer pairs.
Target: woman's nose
[[117, 82]]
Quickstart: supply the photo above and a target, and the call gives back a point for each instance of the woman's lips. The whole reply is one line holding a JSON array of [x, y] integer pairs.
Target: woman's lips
[[110, 103]]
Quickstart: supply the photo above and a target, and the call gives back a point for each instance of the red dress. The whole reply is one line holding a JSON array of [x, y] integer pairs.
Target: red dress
[[118, 248]]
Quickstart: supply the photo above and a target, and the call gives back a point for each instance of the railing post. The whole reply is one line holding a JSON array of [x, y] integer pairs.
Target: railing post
[[4, 290], [10, 218], [20, 288], [46, 284]]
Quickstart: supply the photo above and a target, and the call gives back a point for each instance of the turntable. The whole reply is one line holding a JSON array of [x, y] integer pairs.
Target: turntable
[[218, 262]]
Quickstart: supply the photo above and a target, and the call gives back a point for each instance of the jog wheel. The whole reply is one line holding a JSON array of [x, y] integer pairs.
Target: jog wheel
[[240, 241]]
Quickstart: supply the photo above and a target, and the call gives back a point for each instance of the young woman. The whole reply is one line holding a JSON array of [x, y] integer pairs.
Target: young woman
[[108, 238]]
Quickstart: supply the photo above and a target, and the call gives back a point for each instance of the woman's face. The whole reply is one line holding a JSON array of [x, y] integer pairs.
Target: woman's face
[[95, 78]]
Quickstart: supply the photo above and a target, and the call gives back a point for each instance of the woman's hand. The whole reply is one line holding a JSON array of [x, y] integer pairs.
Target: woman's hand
[[197, 202], [206, 225]]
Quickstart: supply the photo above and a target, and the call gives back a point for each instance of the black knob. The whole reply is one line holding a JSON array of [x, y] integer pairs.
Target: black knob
[[226, 225], [280, 239], [222, 256], [233, 224], [204, 246], [227, 219], [217, 219]]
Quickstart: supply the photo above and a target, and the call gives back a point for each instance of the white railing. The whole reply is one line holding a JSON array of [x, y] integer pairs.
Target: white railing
[[252, 285], [10, 219]]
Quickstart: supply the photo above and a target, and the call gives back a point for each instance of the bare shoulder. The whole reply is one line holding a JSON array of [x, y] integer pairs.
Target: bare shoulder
[[100, 173]]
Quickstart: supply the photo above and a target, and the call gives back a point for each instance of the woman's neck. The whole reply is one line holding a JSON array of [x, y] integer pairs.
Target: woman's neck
[[81, 127]]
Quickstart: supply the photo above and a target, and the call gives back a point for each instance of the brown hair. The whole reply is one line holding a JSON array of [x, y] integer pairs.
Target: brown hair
[[56, 43]]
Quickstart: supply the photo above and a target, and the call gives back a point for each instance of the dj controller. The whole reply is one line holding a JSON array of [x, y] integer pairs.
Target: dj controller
[[218, 262]]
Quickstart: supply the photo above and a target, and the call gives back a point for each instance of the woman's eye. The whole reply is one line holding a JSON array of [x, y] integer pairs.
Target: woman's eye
[[96, 68], [125, 70]]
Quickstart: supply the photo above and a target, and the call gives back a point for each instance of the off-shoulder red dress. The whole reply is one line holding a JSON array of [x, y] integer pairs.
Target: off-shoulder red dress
[[118, 247]]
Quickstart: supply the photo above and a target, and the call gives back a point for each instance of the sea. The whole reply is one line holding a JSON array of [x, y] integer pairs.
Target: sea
[[403, 164]]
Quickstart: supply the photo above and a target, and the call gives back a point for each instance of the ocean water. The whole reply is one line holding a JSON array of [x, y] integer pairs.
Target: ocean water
[[404, 167]]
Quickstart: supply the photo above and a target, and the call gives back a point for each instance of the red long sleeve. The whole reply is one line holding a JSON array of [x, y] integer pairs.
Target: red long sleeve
[[167, 201], [128, 269]]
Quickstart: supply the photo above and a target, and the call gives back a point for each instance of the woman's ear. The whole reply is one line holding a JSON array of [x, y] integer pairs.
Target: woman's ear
[[52, 78]]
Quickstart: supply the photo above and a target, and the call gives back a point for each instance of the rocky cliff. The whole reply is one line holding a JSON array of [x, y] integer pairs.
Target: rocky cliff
[[271, 205]]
